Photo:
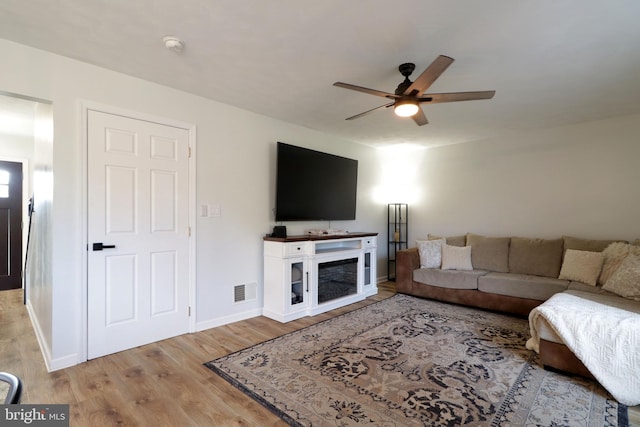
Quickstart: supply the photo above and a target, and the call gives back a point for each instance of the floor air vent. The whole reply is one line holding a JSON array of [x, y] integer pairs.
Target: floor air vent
[[244, 292]]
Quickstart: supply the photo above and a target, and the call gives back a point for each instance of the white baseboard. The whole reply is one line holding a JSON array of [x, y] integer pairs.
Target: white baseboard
[[44, 349], [214, 323], [64, 362], [50, 363]]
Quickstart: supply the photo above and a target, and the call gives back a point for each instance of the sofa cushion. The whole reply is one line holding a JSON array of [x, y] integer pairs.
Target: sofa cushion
[[581, 266], [521, 285], [452, 241], [430, 253], [456, 258], [583, 287], [448, 278], [586, 244], [626, 280], [539, 257], [489, 253]]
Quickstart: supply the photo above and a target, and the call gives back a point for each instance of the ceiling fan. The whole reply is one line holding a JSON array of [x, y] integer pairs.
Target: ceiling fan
[[408, 95]]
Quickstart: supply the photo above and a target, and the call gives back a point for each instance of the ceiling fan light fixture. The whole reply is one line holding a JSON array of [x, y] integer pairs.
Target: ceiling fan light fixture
[[405, 108]]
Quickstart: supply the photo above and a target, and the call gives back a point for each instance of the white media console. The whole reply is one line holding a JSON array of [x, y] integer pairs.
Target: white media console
[[308, 275]]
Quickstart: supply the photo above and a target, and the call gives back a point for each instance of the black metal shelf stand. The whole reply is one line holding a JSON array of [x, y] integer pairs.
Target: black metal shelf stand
[[397, 234]]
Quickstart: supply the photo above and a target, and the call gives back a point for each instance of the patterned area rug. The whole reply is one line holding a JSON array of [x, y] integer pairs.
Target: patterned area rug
[[407, 361]]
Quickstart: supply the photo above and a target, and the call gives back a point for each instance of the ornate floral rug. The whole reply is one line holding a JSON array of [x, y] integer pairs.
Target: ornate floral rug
[[407, 361]]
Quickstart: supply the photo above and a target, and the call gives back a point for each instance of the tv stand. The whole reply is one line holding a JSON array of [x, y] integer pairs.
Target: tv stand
[[310, 274]]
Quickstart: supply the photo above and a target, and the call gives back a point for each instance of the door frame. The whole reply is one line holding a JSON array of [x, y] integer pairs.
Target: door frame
[[85, 106]]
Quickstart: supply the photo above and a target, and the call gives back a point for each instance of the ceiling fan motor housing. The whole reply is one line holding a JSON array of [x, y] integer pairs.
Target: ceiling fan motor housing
[[405, 69]]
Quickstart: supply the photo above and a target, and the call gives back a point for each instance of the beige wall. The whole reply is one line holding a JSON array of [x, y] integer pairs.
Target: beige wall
[[235, 168], [579, 180]]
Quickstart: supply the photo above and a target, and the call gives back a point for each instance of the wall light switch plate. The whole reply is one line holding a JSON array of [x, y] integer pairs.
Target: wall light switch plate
[[215, 210], [204, 210]]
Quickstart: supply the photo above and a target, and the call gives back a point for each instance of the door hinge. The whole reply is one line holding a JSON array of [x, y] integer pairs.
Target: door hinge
[[189, 152], [189, 311], [189, 231]]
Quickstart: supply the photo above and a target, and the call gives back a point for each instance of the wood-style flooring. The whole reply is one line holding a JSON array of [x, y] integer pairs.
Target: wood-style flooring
[[160, 384]]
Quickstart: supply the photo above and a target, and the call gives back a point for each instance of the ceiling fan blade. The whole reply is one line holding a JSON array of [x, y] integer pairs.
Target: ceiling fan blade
[[420, 118], [435, 98], [366, 90], [369, 111], [428, 76]]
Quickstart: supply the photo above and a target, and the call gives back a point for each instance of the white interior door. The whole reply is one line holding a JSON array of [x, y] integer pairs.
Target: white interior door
[[138, 232]]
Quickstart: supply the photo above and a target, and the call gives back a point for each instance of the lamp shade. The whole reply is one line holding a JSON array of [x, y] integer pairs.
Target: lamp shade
[[405, 108]]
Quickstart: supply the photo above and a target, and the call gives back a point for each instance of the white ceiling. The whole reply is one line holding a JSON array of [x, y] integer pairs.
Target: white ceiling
[[551, 62]]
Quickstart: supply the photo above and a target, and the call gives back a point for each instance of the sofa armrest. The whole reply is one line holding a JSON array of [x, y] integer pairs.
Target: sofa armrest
[[407, 260]]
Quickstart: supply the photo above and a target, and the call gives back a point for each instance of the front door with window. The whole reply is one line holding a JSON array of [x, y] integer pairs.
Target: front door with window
[[10, 225]]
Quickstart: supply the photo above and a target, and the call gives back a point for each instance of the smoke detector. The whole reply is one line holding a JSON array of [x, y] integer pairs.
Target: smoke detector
[[173, 43]]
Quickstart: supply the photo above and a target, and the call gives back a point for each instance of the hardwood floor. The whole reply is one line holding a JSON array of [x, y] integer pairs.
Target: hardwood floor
[[160, 384]]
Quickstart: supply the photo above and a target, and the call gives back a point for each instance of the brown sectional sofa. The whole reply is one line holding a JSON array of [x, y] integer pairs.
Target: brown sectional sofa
[[510, 274]]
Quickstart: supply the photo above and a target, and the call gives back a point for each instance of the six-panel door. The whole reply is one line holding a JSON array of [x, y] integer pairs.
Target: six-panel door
[[138, 230]]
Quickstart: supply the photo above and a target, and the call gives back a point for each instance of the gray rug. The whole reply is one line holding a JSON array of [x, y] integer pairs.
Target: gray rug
[[407, 361]]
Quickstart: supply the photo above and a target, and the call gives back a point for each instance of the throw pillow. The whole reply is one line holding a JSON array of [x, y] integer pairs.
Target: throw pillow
[[456, 257], [581, 266], [626, 280], [614, 254], [430, 253], [489, 253]]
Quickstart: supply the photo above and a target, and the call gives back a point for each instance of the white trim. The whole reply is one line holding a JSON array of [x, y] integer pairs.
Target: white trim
[[221, 321], [193, 228], [84, 106], [64, 362], [49, 363], [81, 333], [44, 349], [25, 97]]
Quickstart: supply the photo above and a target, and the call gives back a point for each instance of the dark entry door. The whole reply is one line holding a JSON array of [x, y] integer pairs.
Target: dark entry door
[[10, 225]]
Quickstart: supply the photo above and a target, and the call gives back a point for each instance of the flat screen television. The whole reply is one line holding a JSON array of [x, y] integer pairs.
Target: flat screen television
[[314, 186]]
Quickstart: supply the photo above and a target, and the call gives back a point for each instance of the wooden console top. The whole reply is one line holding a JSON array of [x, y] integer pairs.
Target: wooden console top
[[311, 237]]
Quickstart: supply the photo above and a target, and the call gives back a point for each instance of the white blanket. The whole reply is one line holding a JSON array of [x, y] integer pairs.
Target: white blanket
[[606, 338]]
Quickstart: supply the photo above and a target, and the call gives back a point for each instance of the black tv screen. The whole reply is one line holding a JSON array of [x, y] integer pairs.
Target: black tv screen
[[314, 186]]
